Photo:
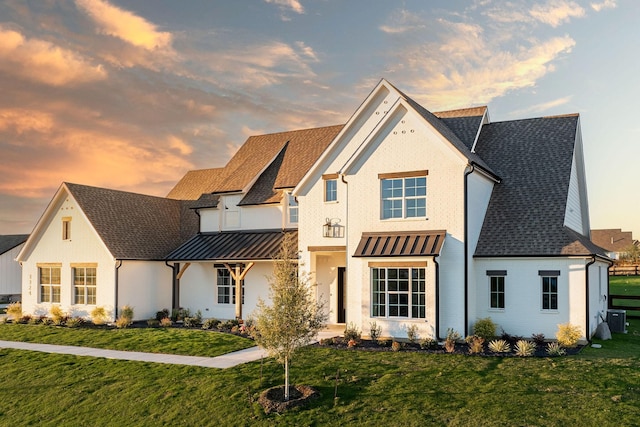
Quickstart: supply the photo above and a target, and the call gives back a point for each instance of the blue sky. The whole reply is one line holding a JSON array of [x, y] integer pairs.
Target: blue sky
[[132, 94]]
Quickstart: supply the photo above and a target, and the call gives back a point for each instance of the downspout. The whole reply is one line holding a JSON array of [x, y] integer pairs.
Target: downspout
[[118, 265], [587, 331], [175, 284], [437, 296], [346, 244], [466, 250]]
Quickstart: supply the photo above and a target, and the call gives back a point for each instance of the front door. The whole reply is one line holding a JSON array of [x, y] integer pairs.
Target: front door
[[341, 295]]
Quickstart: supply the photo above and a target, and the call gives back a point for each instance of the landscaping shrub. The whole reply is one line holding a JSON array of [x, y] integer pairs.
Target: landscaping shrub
[[99, 315], [476, 344], [499, 346], [428, 343], [384, 342], [412, 333], [26, 318], [57, 315], [162, 314], [538, 339], [396, 346], [352, 332], [525, 348], [210, 323], [568, 335], [485, 328], [14, 311], [153, 323], [166, 322], [74, 322], [555, 349], [126, 317], [374, 331], [450, 340]]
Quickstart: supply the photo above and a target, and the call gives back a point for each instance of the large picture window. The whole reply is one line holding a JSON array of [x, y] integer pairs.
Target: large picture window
[[398, 292], [84, 284], [49, 278], [404, 196], [227, 287]]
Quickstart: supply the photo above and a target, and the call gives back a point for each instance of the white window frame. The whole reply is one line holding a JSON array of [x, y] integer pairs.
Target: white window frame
[[54, 289], [224, 281], [401, 194], [415, 294], [86, 285], [293, 211], [330, 190]]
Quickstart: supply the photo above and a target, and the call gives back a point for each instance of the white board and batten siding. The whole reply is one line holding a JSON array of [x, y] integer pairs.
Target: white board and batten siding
[[10, 272], [83, 247]]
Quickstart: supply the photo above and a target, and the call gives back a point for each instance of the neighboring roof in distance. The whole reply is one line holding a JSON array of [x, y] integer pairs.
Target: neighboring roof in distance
[[10, 241]]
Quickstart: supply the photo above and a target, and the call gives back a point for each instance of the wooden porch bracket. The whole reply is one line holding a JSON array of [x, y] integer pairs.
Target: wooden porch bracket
[[238, 275], [181, 272]]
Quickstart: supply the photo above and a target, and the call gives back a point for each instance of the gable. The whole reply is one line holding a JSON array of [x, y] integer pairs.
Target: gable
[[195, 183]]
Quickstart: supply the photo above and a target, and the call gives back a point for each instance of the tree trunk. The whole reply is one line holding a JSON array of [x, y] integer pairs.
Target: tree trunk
[[286, 379]]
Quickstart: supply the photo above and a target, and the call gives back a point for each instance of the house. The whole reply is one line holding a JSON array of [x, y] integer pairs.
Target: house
[[404, 217], [614, 240], [434, 220], [244, 214], [101, 247], [10, 271]]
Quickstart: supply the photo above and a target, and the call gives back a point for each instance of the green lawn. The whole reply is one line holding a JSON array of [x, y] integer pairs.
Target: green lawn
[[626, 285], [152, 340], [598, 387]]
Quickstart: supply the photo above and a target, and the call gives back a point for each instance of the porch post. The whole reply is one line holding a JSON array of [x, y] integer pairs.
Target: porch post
[[238, 274]]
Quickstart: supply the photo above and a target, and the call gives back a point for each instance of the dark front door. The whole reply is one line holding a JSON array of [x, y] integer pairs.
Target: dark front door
[[341, 295]]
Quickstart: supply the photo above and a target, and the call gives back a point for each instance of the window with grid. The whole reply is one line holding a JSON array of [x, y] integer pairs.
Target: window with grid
[[549, 292], [330, 190], [84, 284], [227, 287], [404, 197], [496, 291], [398, 292], [293, 208], [49, 278]]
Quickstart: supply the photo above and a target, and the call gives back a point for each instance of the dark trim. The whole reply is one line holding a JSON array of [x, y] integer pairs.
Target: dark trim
[[587, 331], [602, 257], [486, 171], [549, 273], [117, 283], [466, 248], [437, 296], [496, 272]]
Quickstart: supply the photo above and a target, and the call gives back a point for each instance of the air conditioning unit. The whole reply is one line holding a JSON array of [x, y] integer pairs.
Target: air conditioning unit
[[617, 320]]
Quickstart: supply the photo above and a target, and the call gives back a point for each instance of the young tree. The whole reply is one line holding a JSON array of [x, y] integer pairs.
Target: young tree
[[294, 317]]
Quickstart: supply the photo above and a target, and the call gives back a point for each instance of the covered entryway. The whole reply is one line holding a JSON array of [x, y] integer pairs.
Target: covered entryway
[[329, 267]]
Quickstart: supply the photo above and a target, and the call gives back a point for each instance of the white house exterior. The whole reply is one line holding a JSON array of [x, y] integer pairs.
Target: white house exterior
[[10, 271], [99, 247], [403, 217], [434, 227]]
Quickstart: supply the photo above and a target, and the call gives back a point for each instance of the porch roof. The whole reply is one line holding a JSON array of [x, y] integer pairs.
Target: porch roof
[[401, 243], [231, 246]]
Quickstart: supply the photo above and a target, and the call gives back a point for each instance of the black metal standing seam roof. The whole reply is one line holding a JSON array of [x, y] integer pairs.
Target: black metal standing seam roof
[[231, 246], [398, 244]]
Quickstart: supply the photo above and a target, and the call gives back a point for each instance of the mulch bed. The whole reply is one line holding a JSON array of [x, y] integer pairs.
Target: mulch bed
[[272, 400], [339, 343]]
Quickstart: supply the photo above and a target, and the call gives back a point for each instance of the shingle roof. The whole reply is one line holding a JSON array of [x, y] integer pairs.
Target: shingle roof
[[10, 241], [195, 183], [612, 239], [465, 123], [526, 211], [232, 246], [303, 149], [135, 226]]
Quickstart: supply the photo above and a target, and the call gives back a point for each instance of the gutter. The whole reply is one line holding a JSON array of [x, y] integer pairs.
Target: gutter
[[437, 296], [175, 284], [346, 241], [466, 248], [117, 268], [587, 330]]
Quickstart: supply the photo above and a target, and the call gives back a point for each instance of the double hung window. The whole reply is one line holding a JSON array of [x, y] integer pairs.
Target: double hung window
[[227, 287], [549, 289], [49, 281], [496, 288]]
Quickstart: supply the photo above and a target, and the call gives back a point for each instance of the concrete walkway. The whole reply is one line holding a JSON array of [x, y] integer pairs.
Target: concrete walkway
[[225, 361]]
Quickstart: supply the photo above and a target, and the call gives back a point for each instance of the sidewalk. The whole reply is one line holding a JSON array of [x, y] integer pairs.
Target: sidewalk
[[222, 362]]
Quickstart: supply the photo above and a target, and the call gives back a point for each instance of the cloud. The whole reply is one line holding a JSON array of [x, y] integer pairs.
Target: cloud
[[606, 4], [126, 26], [43, 62], [542, 107], [555, 13], [20, 121], [293, 5], [402, 21]]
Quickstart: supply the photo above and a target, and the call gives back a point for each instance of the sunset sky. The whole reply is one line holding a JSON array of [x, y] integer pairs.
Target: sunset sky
[[131, 95]]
